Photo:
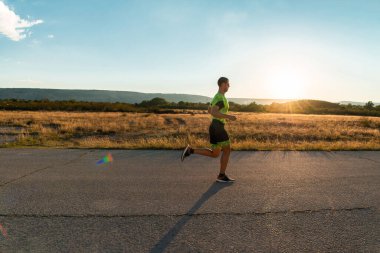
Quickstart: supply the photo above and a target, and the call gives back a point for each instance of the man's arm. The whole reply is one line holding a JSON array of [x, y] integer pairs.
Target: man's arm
[[214, 111]]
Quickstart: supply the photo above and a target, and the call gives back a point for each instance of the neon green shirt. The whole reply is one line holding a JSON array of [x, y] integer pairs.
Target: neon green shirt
[[221, 101]]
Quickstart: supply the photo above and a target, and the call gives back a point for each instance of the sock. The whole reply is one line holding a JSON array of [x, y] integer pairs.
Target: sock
[[221, 174]]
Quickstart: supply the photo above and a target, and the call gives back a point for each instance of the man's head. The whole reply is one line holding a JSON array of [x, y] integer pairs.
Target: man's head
[[223, 84]]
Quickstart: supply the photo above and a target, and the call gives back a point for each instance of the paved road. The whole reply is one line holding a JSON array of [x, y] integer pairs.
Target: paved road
[[59, 200]]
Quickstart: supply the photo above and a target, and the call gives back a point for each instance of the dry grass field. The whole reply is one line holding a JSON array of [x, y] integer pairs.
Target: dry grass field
[[252, 131]]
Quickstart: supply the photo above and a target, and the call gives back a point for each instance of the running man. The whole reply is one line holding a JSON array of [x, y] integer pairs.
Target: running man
[[219, 139]]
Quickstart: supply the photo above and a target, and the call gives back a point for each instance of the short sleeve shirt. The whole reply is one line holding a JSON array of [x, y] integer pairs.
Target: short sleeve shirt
[[221, 101]]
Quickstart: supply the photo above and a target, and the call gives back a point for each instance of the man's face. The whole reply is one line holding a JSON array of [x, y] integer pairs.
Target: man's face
[[225, 86]]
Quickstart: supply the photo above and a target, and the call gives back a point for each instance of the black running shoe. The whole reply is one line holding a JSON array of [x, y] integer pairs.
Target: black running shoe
[[186, 152], [224, 179]]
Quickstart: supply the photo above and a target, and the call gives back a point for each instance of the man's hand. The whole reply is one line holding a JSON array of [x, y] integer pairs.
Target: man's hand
[[209, 109], [232, 117]]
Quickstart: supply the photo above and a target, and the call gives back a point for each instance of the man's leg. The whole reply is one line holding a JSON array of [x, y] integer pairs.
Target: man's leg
[[208, 152], [224, 159], [200, 151]]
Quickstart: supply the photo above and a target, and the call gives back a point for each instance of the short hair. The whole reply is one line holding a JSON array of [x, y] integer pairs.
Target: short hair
[[222, 80]]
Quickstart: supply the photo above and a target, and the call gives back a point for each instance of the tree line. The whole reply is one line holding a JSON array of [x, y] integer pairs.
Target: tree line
[[160, 105]]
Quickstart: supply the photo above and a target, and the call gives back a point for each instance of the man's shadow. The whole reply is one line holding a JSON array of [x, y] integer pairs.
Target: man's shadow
[[171, 234]]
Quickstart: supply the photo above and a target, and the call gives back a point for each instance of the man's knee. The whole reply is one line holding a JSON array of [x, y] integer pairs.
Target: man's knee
[[216, 152], [226, 149]]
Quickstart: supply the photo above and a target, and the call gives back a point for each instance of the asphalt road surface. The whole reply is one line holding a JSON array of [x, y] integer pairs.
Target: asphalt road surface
[[59, 200]]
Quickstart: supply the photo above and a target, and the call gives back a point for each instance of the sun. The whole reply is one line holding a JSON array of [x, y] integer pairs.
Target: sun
[[285, 74], [285, 81]]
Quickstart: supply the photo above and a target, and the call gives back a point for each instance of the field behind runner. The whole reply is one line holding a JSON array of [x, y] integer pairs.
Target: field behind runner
[[252, 131]]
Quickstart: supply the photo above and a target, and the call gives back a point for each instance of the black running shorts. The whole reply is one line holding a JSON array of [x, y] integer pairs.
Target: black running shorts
[[218, 135]]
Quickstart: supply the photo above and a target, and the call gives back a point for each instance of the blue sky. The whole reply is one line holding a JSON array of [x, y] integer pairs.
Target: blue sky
[[323, 49]]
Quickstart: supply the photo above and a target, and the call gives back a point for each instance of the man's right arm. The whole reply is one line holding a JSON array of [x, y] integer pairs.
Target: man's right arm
[[217, 114]]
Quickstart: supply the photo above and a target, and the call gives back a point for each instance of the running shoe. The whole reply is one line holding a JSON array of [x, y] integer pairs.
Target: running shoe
[[186, 152], [224, 179]]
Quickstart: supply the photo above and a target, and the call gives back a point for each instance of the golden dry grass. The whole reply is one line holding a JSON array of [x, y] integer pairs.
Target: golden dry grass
[[252, 131]]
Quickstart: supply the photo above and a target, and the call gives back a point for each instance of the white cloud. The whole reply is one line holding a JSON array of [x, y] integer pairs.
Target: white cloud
[[12, 26], [51, 36]]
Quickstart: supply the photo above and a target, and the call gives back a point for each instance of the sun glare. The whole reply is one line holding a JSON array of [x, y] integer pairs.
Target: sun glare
[[285, 81], [286, 70]]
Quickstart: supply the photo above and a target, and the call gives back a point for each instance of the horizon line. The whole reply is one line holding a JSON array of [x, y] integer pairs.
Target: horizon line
[[188, 94]]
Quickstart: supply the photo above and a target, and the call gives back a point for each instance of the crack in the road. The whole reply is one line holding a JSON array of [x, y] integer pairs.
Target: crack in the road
[[41, 169], [185, 214], [365, 158], [360, 157]]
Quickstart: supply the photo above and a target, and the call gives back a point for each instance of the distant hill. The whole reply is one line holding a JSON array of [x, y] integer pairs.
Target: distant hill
[[321, 107], [114, 96], [312, 103], [355, 103], [245, 101], [124, 96], [94, 95]]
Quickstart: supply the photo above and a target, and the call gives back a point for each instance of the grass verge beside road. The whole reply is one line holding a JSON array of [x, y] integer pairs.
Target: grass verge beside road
[[252, 131]]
